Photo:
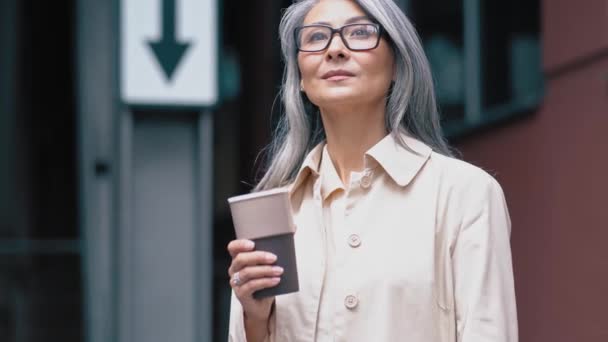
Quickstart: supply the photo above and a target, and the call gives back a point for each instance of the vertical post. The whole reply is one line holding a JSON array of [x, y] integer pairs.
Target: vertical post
[[124, 200], [204, 233], [472, 56], [8, 44], [95, 88]]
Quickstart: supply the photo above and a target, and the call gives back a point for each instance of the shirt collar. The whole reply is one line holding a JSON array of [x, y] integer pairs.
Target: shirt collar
[[309, 166], [330, 181], [401, 163]]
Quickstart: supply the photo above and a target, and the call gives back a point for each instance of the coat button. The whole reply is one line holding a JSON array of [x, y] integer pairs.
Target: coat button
[[366, 180], [351, 302], [354, 240]]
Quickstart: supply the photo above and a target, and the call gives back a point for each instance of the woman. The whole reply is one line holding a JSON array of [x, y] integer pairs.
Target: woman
[[396, 240]]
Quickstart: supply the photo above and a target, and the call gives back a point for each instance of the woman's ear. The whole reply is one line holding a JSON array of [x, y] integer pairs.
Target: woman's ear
[[301, 85]]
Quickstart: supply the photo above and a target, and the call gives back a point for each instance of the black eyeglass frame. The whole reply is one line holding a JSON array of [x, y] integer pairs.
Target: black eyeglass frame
[[339, 30]]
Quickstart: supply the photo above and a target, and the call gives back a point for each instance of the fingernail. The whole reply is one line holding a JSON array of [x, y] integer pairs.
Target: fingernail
[[271, 257], [277, 270], [249, 244], [276, 280]]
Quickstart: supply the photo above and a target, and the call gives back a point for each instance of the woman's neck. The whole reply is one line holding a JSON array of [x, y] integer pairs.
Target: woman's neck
[[350, 133]]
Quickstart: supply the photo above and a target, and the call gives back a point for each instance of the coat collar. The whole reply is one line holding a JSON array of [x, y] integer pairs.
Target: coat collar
[[309, 166], [330, 180], [401, 163]]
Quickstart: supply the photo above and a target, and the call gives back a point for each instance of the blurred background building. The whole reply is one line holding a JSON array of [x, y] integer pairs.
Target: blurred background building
[[113, 217]]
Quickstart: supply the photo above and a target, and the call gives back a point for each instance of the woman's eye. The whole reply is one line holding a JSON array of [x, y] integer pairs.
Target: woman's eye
[[317, 36], [360, 33]]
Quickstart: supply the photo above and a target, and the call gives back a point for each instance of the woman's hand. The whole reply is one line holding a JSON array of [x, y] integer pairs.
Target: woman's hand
[[251, 271]]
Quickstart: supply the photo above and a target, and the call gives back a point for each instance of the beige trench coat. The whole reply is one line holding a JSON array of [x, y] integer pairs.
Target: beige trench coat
[[432, 261]]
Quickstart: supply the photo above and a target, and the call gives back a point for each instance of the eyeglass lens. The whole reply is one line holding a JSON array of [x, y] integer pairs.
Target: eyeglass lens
[[355, 37]]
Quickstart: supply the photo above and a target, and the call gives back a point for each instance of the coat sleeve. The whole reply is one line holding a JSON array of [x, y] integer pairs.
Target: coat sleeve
[[236, 327], [483, 273]]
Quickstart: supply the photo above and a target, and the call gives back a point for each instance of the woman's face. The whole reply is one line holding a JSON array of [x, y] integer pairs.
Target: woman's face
[[363, 77]]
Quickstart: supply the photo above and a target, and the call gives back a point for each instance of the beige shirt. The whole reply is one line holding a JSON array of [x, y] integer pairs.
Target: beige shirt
[[414, 248]]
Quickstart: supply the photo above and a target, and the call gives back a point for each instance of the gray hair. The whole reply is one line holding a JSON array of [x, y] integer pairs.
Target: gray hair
[[411, 107]]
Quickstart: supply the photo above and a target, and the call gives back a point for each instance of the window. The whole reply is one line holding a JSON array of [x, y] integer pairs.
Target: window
[[485, 57]]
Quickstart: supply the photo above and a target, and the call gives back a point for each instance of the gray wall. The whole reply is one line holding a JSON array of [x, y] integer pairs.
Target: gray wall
[[145, 181]]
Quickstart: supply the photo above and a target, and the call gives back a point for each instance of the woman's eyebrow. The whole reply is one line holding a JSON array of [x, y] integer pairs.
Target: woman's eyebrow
[[348, 21]]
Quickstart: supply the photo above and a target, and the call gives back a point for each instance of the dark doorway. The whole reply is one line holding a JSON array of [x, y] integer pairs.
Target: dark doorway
[[40, 262]]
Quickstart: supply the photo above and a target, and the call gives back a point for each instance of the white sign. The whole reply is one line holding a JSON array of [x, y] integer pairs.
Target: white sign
[[169, 52]]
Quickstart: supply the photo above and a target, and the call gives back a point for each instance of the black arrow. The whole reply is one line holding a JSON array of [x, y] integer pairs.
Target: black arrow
[[168, 50]]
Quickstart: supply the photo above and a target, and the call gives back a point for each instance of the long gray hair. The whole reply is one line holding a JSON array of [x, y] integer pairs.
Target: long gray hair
[[411, 106]]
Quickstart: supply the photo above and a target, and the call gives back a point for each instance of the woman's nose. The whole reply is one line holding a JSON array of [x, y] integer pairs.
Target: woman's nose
[[337, 48]]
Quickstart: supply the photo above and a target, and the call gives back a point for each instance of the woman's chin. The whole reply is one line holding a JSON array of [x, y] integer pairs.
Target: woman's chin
[[339, 96]]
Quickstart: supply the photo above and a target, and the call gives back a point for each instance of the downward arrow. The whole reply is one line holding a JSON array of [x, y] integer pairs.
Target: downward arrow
[[168, 50]]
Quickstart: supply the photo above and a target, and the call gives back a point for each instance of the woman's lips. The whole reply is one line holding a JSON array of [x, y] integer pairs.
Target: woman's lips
[[337, 75], [337, 78]]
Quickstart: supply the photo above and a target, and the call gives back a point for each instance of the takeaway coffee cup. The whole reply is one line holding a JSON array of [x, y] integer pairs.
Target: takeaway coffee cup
[[265, 217]]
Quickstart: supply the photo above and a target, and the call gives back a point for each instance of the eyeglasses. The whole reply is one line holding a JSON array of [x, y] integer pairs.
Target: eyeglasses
[[356, 37]]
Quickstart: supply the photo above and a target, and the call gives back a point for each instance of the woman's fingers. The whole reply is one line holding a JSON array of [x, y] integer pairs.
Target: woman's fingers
[[247, 289], [255, 272], [238, 246], [245, 259], [255, 269], [251, 271]]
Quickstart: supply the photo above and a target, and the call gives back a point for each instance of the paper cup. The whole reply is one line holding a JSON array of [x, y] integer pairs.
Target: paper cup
[[265, 217]]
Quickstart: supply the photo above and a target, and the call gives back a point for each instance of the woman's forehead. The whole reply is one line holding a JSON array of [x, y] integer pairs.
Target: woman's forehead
[[335, 13]]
